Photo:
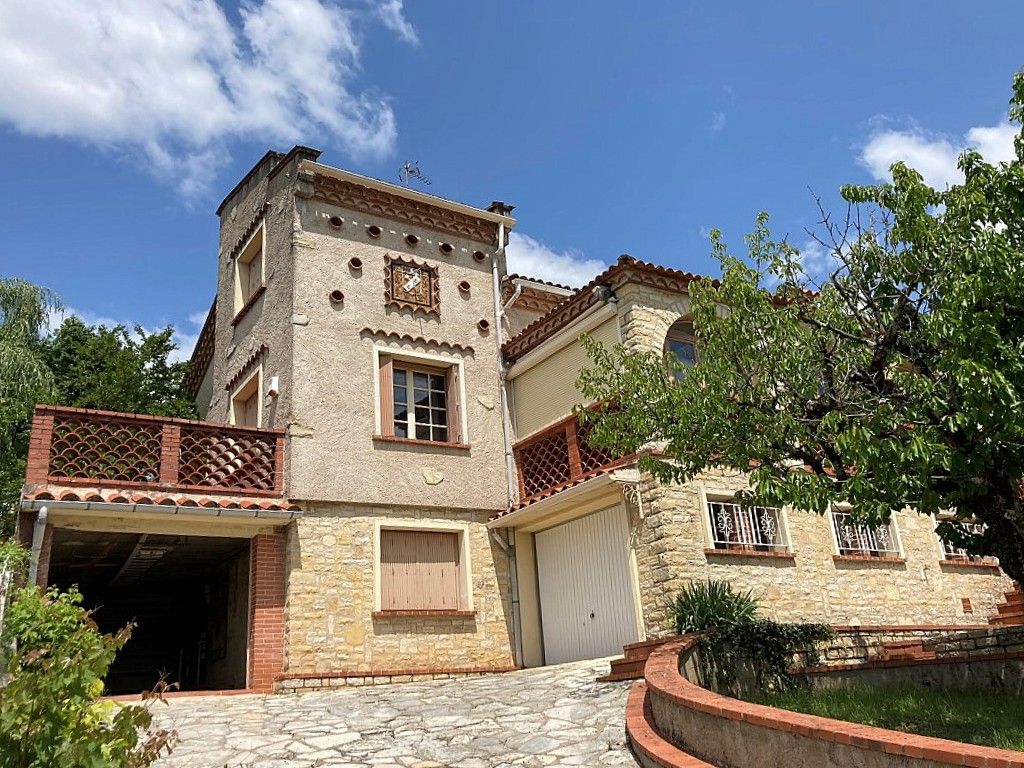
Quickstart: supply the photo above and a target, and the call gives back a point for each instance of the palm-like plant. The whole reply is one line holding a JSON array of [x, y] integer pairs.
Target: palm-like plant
[[25, 310], [712, 604]]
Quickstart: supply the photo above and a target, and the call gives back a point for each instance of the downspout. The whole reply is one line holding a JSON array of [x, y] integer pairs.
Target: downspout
[[506, 430], [38, 534]]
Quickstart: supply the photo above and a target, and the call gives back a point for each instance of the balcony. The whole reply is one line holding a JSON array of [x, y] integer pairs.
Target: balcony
[[559, 457], [100, 449]]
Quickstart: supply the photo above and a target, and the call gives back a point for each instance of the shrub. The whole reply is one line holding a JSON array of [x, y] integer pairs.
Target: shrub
[[50, 712], [741, 642], [712, 604]]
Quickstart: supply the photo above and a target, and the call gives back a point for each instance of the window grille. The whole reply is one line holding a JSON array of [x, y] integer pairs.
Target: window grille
[[952, 551], [754, 528], [861, 540]]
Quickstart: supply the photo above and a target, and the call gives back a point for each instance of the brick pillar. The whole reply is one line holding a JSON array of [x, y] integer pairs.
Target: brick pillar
[[43, 572], [266, 610]]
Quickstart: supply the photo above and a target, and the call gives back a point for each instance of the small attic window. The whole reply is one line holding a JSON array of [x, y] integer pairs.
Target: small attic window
[[681, 343]]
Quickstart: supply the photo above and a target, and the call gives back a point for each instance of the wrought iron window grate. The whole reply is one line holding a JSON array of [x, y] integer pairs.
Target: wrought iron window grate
[[755, 528], [859, 539]]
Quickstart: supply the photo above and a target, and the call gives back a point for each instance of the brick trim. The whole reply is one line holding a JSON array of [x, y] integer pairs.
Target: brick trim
[[666, 682], [426, 613], [869, 560], [961, 658], [750, 553], [643, 737], [266, 610]]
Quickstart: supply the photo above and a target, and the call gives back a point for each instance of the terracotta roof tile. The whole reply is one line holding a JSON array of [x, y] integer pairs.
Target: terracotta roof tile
[[115, 496]]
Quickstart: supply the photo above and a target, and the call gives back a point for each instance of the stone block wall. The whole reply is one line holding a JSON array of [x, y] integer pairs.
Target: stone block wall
[[809, 584], [331, 632]]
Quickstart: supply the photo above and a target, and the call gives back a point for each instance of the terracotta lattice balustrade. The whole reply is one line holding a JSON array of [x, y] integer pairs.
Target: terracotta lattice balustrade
[[558, 457], [72, 446]]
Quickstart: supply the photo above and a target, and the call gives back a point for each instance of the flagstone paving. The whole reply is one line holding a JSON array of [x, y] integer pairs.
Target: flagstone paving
[[551, 716]]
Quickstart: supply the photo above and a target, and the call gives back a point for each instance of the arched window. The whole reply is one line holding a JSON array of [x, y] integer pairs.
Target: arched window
[[681, 343]]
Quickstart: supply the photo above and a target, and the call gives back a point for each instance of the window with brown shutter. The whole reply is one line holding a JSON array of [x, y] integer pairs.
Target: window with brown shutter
[[419, 402], [421, 571]]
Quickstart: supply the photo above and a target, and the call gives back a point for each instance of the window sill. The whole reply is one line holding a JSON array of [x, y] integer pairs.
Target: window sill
[[426, 613], [421, 443], [869, 560], [758, 553], [248, 305], [970, 565]]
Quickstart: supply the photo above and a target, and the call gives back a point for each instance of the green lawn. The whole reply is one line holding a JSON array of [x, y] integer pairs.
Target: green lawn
[[990, 719]]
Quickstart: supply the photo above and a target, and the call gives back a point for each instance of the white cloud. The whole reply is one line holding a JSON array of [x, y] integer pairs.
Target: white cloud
[[185, 334], [718, 121], [817, 261], [533, 258], [174, 80], [935, 156], [392, 15]]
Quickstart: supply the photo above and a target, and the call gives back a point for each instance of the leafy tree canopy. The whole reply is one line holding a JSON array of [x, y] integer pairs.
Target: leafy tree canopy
[[896, 382], [114, 369]]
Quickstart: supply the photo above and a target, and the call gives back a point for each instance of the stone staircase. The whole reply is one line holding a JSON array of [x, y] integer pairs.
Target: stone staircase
[[1011, 610], [631, 665]]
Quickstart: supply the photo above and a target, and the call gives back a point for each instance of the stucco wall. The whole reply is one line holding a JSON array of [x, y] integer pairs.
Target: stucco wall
[[268, 321], [330, 575], [333, 452], [811, 586]]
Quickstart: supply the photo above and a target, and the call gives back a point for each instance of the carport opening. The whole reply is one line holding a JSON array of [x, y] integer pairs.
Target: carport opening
[[187, 595]]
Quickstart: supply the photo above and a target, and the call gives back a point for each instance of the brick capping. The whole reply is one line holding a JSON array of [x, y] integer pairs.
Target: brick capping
[[412, 441], [202, 355], [251, 361], [380, 676], [972, 565], [249, 304], [644, 739], [93, 449], [399, 338], [673, 690], [912, 662], [425, 613], [349, 194], [249, 229], [869, 559], [768, 554]]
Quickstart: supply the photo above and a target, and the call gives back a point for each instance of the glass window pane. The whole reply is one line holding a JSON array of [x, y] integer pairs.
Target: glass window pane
[[436, 382], [398, 376], [421, 397], [441, 434], [422, 415], [440, 416], [438, 399], [401, 413], [400, 395], [419, 380], [683, 351], [401, 429], [422, 432]]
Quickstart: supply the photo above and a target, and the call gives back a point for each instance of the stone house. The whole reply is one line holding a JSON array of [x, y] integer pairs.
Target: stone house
[[388, 483]]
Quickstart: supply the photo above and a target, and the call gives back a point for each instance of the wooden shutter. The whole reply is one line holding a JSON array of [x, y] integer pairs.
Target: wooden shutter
[[454, 408], [387, 397], [420, 570]]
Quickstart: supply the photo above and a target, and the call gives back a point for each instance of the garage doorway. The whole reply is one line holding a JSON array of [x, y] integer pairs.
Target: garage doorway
[[585, 580], [187, 595]]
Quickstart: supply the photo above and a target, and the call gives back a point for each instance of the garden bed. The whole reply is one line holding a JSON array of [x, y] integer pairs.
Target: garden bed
[[984, 718]]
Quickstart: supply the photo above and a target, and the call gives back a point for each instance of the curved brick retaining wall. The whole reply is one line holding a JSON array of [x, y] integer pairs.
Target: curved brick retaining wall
[[728, 732]]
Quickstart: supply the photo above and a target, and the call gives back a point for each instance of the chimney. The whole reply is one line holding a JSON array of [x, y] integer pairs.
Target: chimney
[[502, 209]]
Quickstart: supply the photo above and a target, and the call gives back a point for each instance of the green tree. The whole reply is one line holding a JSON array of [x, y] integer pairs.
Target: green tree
[[117, 369], [898, 381], [25, 379]]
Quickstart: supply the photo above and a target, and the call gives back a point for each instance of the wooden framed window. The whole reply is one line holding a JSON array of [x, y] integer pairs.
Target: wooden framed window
[[422, 570], [247, 401], [681, 343], [420, 402], [249, 270]]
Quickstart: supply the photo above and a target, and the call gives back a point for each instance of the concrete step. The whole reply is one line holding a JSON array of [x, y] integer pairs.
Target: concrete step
[[624, 669]]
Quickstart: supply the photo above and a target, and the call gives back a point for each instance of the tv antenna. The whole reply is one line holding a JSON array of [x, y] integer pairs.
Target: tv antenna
[[411, 171]]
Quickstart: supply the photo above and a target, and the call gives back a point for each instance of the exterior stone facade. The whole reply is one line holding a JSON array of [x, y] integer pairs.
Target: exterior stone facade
[[331, 626], [811, 585]]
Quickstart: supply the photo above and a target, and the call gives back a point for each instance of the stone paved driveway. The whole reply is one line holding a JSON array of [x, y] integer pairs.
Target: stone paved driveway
[[553, 716]]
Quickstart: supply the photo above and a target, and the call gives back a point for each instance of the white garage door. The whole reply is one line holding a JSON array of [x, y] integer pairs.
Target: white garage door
[[586, 593]]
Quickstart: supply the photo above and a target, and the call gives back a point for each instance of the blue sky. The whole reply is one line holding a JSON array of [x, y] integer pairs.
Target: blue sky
[[614, 127]]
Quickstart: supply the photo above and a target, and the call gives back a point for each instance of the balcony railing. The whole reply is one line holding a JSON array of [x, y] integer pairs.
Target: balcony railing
[[558, 457], [72, 446]]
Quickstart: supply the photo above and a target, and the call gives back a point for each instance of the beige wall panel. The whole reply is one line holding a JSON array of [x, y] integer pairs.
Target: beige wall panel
[[547, 391], [329, 621]]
